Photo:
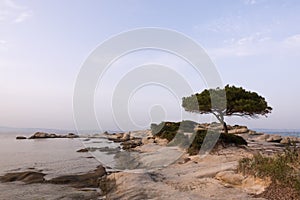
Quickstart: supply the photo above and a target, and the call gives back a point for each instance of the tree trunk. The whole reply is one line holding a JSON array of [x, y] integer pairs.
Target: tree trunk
[[225, 127], [220, 117], [223, 123]]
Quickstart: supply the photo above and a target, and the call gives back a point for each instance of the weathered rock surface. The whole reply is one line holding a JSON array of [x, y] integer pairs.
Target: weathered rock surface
[[118, 137], [103, 149], [261, 138], [289, 140], [89, 179], [26, 177], [250, 184], [217, 126], [130, 144], [40, 191], [230, 177], [193, 179], [238, 130], [274, 138]]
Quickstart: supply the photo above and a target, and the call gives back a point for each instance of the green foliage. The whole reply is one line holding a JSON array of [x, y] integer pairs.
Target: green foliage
[[165, 130], [197, 143], [232, 139], [180, 140], [174, 133], [282, 168], [227, 102], [168, 130], [224, 139]]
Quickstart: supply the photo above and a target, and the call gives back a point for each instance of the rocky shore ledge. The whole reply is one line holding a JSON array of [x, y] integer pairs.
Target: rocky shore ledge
[[43, 135], [168, 172]]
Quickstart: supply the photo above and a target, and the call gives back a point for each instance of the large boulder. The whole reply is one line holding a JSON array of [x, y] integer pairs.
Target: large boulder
[[160, 141], [229, 177], [289, 140], [201, 127], [274, 138], [130, 144], [126, 136], [148, 140], [250, 184], [261, 138], [118, 137], [90, 179], [239, 130]]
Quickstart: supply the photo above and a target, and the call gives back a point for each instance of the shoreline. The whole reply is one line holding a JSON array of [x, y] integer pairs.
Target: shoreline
[[185, 177]]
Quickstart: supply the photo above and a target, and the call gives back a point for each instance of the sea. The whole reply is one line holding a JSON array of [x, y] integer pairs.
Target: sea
[[282, 132]]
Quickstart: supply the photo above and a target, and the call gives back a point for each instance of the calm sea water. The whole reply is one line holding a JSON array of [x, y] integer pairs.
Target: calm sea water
[[55, 157], [282, 132]]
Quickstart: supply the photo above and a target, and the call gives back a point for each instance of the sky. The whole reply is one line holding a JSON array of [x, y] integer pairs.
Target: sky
[[43, 45]]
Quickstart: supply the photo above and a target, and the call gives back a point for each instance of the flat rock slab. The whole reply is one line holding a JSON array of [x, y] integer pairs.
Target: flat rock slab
[[28, 177]]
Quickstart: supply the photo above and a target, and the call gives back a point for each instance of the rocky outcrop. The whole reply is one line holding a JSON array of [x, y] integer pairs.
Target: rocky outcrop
[[128, 141], [90, 179], [148, 140], [130, 144], [160, 141], [230, 177], [43, 135], [238, 130], [274, 138], [261, 138], [250, 184], [118, 137], [82, 150], [21, 138], [26, 177], [289, 140], [102, 149]]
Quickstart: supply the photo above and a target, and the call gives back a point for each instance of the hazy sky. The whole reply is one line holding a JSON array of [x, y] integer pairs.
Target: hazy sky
[[253, 43]]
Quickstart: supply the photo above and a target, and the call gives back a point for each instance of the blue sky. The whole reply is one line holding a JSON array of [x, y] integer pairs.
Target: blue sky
[[253, 43]]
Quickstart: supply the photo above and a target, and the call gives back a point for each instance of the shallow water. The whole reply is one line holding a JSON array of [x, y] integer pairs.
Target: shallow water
[[54, 157]]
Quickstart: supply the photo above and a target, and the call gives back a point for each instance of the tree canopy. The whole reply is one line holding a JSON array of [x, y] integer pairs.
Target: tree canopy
[[231, 101]]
